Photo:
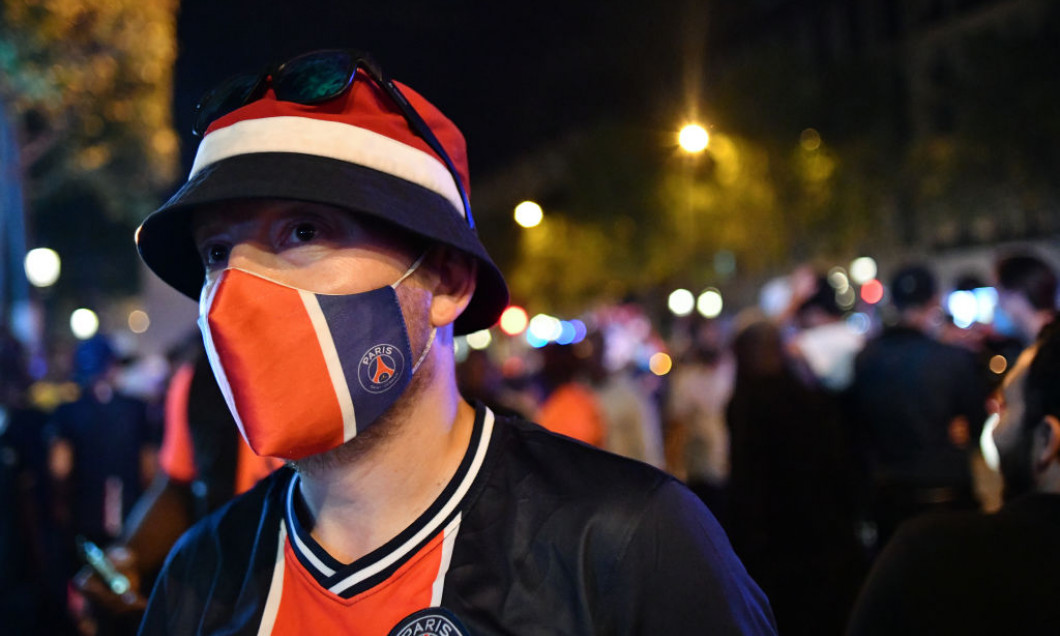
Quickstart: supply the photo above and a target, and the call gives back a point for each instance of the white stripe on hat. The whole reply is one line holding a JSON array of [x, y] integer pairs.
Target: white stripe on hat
[[332, 139]]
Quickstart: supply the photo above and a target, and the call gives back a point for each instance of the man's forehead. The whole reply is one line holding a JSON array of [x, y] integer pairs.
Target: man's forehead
[[217, 218], [224, 213]]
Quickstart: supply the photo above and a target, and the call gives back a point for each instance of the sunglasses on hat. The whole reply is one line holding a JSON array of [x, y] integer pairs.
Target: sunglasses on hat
[[313, 78]]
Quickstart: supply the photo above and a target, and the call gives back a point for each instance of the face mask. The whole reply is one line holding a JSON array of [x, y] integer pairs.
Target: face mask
[[304, 373]]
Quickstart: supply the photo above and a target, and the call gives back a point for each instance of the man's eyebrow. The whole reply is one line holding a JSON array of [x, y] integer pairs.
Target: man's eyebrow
[[207, 229]]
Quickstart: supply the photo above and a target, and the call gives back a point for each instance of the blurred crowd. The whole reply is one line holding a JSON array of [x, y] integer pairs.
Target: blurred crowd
[[811, 431]]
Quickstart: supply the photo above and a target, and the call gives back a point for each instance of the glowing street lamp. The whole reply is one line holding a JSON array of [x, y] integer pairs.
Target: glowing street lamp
[[42, 267], [709, 303], [693, 138], [528, 214], [84, 323], [681, 302]]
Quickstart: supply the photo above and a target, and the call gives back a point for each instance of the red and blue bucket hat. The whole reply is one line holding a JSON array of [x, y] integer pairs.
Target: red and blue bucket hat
[[327, 127]]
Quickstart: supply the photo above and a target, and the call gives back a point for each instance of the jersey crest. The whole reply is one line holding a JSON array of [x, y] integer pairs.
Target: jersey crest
[[433, 621]]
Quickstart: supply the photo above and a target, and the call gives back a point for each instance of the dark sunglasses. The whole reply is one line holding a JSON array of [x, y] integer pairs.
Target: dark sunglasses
[[312, 78]]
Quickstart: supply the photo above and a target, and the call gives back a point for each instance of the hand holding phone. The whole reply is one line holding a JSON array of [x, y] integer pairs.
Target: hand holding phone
[[105, 569]]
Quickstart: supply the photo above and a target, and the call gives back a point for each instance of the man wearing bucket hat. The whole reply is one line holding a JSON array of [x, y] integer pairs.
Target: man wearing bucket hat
[[327, 233]]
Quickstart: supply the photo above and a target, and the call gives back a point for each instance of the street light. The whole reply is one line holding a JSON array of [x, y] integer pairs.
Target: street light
[[709, 303], [693, 138], [528, 214], [42, 267], [681, 302], [84, 323]]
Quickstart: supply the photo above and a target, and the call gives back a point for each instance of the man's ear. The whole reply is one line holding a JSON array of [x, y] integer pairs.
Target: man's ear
[[1047, 442], [453, 283]]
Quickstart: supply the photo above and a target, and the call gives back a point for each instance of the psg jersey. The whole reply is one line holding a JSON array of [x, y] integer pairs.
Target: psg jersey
[[534, 534]]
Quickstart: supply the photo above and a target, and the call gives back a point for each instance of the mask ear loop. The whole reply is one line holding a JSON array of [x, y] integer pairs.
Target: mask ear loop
[[415, 265], [434, 330], [426, 350]]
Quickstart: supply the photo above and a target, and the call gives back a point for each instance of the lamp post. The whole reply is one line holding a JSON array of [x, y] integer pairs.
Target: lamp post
[[693, 138]]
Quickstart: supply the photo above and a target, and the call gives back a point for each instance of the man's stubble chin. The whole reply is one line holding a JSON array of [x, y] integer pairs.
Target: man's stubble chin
[[393, 420]]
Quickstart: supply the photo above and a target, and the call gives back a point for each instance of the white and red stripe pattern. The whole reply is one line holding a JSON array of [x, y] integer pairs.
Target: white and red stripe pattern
[[356, 152], [334, 140], [361, 127]]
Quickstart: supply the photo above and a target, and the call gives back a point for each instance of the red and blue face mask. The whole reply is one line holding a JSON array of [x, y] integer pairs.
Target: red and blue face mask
[[303, 373]]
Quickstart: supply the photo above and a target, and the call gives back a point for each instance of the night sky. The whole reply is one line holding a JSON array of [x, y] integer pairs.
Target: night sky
[[511, 75]]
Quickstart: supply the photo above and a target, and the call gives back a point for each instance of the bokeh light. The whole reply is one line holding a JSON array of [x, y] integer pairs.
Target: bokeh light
[[693, 138], [863, 269], [534, 341], [567, 333], [846, 298], [872, 291], [859, 323], [998, 364], [837, 278], [810, 139], [514, 320], [580, 331], [479, 339], [42, 267], [986, 443], [84, 323], [139, 321], [460, 349], [964, 307], [986, 297], [545, 327], [709, 303], [529, 214], [681, 302], [660, 363]]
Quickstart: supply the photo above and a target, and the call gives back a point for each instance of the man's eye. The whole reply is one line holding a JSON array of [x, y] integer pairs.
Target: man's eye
[[305, 232], [216, 254]]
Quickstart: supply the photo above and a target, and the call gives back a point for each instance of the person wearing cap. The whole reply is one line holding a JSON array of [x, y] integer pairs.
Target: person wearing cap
[[1026, 294], [918, 406], [327, 233]]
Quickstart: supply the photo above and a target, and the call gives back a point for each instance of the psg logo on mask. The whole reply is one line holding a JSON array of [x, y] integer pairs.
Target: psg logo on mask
[[380, 368]]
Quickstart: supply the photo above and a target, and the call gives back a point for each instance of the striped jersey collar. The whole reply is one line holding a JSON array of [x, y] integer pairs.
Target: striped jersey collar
[[347, 580]]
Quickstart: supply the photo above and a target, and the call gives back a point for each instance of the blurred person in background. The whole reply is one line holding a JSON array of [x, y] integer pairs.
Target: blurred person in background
[[101, 448], [974, 573], [917, 407], [700, 387], [1026, 294], [823, 340], [630, 417], [479, 378], [32, 587], [570, 407], [102, 451], [790, 509], [204, 463]]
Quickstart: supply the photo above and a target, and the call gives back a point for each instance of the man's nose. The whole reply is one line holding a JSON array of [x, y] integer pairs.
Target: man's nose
[[249, 256], [253, 257]]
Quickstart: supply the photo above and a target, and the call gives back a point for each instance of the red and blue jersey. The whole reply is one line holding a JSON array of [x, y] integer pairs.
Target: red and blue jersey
[[535, 534]]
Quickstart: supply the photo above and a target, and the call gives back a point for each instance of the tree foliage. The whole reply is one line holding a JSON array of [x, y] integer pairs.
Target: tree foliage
[[88, 85]]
